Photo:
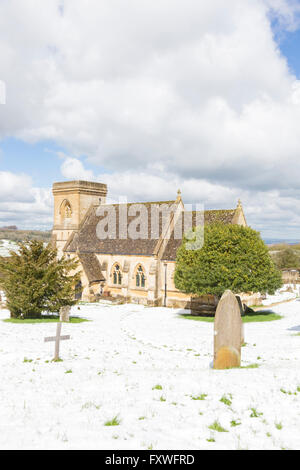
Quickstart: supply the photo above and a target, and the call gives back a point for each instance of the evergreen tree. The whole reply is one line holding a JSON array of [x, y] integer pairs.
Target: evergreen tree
[[35, 280], [287, 258], [232, 257]]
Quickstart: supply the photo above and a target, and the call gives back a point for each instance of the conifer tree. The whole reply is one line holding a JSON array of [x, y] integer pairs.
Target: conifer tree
[[35, 280], [232, 257]]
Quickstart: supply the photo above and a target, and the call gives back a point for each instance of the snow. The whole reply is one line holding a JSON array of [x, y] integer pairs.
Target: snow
[[6, 246], [287, 292], [116, 359]]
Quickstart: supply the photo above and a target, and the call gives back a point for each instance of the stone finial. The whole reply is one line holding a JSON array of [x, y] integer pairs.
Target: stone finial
[[239, 204], [178, 195]]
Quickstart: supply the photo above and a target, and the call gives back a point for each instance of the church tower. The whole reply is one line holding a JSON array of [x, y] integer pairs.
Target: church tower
[[72, 199]]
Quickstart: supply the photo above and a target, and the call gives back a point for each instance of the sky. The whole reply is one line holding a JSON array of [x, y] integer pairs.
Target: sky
[[149, 97]]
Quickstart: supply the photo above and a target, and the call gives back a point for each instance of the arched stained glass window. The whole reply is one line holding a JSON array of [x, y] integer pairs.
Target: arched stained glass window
[[140, 277], [117, 275]]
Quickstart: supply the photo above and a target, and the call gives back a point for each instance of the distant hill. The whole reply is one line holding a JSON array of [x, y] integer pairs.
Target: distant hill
[[279, 241], [21, 235], [9, 227]]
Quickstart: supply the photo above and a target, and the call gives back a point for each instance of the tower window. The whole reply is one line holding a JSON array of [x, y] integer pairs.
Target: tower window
[[66, 210]]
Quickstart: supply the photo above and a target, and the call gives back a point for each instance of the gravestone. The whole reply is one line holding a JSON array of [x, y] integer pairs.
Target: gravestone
[[64, 314], [242, 312], [227, 332]]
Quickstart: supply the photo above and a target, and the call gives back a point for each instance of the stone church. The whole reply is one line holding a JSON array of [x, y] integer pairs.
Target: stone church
[[133, 269]]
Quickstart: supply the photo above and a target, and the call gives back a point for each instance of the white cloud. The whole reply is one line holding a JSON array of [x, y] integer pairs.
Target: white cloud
[[14, 187], [23, 205], [73, 169], [2, 92], [197, 89]]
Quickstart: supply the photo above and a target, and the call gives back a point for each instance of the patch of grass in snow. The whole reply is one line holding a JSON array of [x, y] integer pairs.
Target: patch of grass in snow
[[27, 360], [69, 371], [278, 426], [43, 319], [234, 423], [255, 413], [211, 439], [199, 397], [216, 426], [262, 316], [90, 404], [227, 401], [162, 399], [250, 366], [157, 387], [113, 422], [288, 392]]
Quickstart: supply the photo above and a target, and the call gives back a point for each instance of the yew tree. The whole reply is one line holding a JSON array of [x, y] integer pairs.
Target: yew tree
[[35, 280], [232, 257]]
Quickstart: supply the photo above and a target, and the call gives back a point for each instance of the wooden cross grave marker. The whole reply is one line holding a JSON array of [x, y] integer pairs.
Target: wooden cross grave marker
[[57, 339]]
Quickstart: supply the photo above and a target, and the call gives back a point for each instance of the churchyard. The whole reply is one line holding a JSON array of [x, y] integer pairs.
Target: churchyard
[[133, 377]]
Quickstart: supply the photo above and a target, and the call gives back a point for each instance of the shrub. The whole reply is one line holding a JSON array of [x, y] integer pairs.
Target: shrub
[[35, 280]]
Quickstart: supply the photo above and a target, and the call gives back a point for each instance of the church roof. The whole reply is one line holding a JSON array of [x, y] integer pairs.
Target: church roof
[[87, 241], [87, 244], [91, 266]]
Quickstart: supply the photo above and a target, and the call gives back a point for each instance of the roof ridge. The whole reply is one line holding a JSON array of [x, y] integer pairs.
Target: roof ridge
[[213, 210], [131, 203]]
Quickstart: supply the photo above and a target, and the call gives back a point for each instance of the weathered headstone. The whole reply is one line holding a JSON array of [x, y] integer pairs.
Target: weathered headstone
[[57, 339], [227, 332], [64, 314], [242, 312]]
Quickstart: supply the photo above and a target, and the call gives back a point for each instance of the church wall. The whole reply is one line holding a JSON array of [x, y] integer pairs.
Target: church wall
[[128, 289]]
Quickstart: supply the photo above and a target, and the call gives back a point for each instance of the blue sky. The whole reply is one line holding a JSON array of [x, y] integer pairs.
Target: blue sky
[[290, 48], [40, 160], [149, 103]]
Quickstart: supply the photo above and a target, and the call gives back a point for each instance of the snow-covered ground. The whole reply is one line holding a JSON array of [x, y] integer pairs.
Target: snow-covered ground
[[112, 365], [287, 292], [6, 246]]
